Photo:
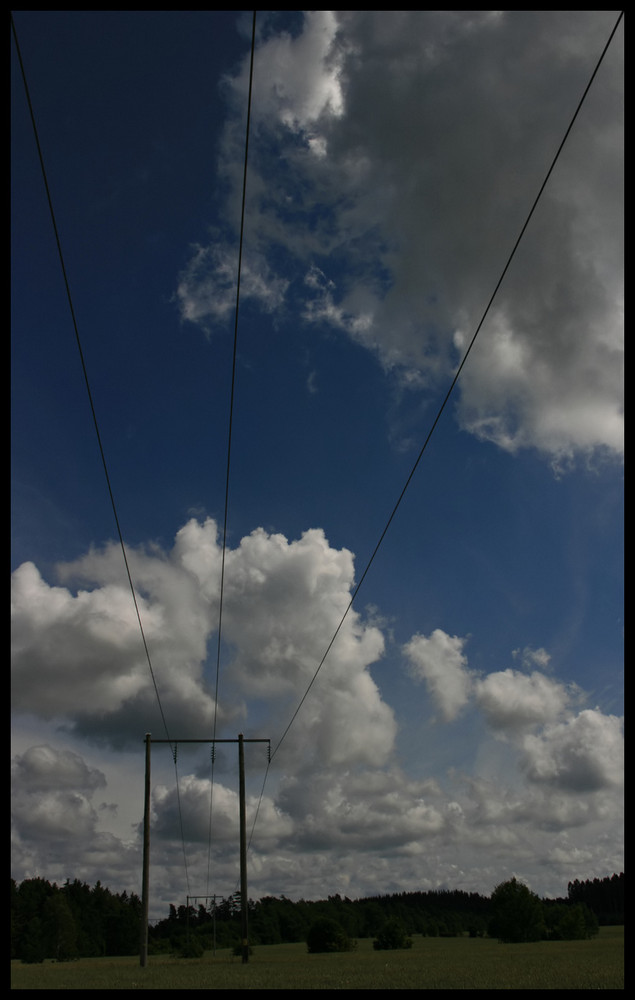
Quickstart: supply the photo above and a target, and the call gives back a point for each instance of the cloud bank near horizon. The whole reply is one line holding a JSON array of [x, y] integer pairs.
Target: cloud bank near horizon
[[337, 785]]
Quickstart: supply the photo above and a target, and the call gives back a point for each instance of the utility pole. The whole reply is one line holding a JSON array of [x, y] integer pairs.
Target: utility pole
[[145, 885], [244, 902]]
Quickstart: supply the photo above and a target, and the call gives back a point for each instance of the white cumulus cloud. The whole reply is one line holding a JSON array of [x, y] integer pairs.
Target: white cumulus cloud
[[439, 660], [582, 754], [78, 654], [434, 131], [511, 700]]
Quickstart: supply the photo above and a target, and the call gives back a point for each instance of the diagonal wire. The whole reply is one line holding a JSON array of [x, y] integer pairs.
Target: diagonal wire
[[94, 417], [439, 412], [453, 383], [229, 435], [85, 372]]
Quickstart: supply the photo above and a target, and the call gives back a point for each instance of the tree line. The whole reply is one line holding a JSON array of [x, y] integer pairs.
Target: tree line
[[605, 896], [76, 921], [72, 921]]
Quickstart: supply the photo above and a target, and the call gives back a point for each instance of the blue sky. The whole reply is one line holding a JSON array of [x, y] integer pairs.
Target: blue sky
[[467, 723]]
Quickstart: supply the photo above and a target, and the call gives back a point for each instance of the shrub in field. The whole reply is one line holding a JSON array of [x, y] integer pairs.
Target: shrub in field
[[191, 947], [326, 935], [392, 935], [237, 950], [516, 913], [566, 922]]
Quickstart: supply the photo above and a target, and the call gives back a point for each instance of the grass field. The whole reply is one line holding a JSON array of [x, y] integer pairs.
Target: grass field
[[432, 964]]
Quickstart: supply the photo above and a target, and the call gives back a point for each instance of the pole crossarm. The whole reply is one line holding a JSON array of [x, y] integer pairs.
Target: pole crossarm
[[214, 740]]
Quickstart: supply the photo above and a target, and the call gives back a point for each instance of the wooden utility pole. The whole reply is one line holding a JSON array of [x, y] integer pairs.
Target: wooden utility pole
[[145, 878], [244, 902]]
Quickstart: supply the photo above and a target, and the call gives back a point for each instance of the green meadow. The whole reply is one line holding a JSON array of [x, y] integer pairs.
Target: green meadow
[[433, 963]]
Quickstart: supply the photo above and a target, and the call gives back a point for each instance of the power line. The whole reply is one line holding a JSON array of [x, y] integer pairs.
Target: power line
[[452, 386], [437, 418], [85, 371], [229, 434], [96, 424]]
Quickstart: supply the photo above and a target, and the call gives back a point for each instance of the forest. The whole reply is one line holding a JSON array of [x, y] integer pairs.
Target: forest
[[76, 921]]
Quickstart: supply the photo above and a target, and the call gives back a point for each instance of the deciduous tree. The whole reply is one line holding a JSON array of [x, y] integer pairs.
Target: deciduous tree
[[516, 913]]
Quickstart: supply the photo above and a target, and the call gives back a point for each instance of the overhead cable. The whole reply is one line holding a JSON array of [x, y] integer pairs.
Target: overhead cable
[[452, 385], [94, 417], [229, 433]]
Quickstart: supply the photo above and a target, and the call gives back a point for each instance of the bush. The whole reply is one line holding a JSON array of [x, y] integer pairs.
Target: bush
[[392, 935], [191, 947], [570, 922], [517, 913], [326, 935]]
